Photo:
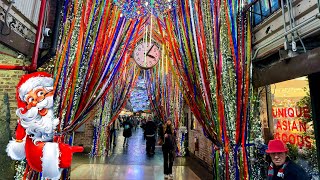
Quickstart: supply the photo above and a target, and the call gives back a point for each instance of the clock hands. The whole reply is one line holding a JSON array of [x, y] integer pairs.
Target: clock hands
[[150, 50], [146, 55], [151, 56]]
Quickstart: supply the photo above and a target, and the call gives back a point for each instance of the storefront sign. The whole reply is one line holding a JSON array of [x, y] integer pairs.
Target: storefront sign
[[289, 126]]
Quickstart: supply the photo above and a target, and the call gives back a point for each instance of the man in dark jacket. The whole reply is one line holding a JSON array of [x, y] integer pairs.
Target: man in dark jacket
[[281, 167], [127, 126], [150, 134]]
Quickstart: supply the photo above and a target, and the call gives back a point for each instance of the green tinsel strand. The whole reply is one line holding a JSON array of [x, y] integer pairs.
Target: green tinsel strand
[[87, 54], [64, 29], [211, 58], [73, 50], [20, 168], [217, 177]]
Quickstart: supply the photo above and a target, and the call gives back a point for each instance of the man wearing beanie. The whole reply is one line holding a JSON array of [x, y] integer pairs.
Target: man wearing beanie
[[281, 166]]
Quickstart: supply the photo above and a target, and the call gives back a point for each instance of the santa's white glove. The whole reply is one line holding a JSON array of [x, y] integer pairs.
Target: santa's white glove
[[16, 149]]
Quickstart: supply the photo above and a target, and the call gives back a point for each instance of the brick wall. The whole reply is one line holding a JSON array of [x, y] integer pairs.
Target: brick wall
[[84, 135], [8, 82], [205, 145]]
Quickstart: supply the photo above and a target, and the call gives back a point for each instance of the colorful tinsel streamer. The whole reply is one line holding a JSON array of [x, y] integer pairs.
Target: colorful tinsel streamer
[[209, 61], [209, 42], [91, 52], [112, 106]]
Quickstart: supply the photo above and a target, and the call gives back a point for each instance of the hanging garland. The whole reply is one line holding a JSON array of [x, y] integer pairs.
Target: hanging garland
[[92, 53], [208, 67], [165, 96], [95, 41], [210, 45], [112, 105]]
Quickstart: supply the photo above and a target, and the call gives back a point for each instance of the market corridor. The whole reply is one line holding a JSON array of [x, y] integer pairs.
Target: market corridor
[[131, 163]]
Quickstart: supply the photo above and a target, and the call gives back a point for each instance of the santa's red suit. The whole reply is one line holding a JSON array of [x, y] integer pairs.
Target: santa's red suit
[[43, 156]]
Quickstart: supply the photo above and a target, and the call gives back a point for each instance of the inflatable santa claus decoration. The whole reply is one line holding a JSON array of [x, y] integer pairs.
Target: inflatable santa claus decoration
[[36, 128]]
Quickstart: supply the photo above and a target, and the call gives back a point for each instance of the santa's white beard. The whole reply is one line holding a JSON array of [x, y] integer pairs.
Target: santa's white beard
[[39, 128]]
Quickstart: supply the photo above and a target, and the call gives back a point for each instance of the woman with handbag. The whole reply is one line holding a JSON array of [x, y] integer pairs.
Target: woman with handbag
[[168, 149]]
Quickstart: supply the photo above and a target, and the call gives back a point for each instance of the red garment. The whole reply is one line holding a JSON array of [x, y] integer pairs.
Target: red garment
[[34, 154]]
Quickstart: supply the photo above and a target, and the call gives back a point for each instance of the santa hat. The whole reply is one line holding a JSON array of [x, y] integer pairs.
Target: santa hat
[[26, 84], [29, 82]]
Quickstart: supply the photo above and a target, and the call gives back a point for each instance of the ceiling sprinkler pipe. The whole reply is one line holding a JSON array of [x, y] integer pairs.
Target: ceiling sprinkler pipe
[[298, 35], [284, 23], [291, 26], [317, 16]]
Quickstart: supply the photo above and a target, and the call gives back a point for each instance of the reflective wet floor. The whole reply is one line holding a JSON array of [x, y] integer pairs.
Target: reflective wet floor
[[131, 162]]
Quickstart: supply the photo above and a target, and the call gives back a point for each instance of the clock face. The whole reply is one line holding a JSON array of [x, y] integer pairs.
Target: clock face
[[146, 55]]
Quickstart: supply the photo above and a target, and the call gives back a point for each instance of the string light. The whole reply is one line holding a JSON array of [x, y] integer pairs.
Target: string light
[[137, 8]]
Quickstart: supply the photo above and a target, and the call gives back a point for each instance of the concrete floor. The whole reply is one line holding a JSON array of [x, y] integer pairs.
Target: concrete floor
[[132, 163]]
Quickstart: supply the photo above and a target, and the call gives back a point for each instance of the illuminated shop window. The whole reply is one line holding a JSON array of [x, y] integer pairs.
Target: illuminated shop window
[[292, 121]]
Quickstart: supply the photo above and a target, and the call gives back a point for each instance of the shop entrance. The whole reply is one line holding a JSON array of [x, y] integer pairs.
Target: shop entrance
[[292, 121]]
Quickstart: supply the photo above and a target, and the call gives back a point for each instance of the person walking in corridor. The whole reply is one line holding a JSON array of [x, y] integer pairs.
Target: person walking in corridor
[[168, 149], [113, 132], [281, 166], [143, 126], [150, 133], [127, 130]]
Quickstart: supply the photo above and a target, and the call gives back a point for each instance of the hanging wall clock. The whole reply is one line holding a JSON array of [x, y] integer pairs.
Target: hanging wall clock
[[146, 55]]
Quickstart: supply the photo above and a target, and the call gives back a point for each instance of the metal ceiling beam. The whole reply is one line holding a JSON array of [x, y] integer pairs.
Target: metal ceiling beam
[[287, 69]]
